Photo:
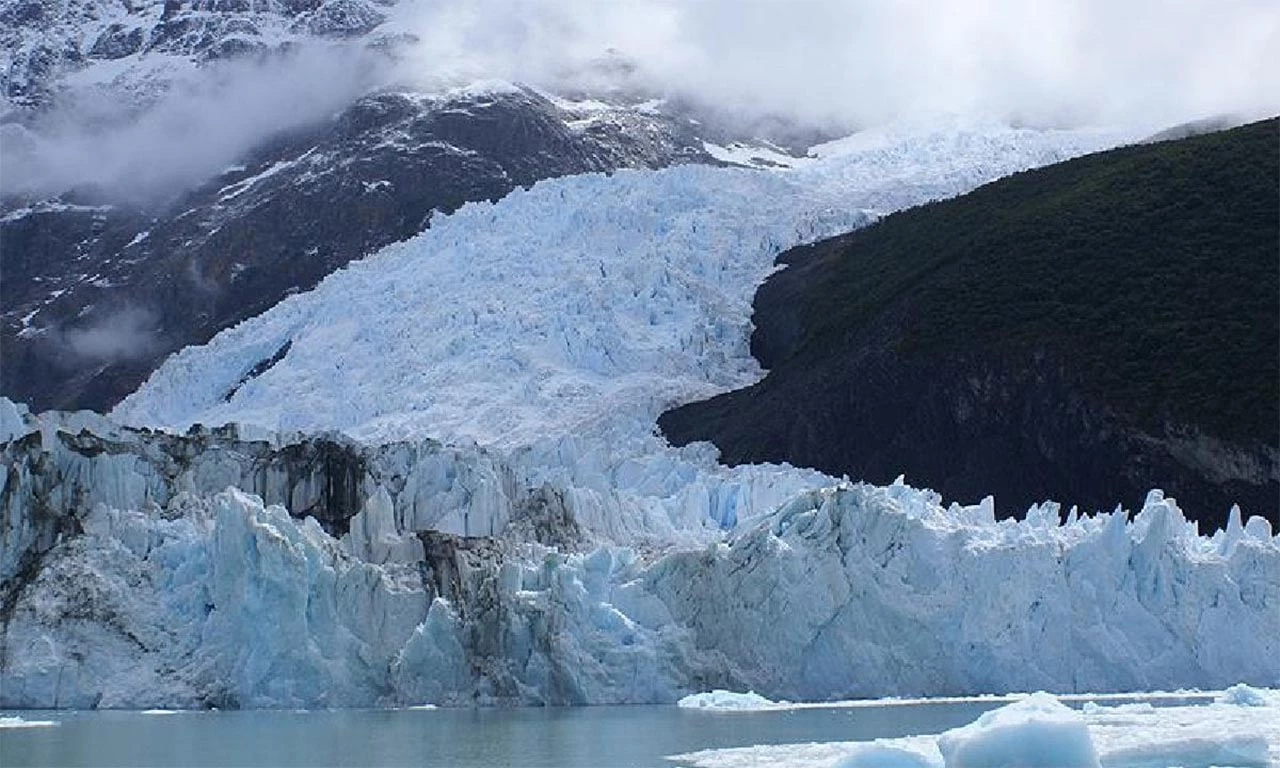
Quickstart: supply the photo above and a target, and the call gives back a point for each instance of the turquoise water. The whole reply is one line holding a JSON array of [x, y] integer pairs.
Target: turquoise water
[[589, 737]]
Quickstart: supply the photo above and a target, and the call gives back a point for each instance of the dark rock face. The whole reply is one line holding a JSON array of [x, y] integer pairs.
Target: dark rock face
[[117, 42], [96, 295], [911, 380]]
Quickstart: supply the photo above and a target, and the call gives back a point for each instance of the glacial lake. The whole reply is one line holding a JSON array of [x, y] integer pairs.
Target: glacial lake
[[585, 737]]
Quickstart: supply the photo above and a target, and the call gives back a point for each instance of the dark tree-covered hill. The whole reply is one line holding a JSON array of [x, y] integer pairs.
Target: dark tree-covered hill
[[1082, 332]]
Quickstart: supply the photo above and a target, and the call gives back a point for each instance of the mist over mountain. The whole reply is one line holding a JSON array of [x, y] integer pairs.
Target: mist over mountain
[[138, 100]]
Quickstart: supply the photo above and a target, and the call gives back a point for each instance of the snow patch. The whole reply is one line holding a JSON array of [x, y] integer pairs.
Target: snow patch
[[752, 156]]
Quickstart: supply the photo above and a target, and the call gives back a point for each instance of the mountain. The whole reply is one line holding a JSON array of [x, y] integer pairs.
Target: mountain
[[135, 48], [437, 373], [103, 280], [1081, 332]]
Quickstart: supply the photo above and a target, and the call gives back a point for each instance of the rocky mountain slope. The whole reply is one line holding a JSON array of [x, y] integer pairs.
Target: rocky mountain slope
[[105, 277], [135, 48], [97, 293], [1081, 332]]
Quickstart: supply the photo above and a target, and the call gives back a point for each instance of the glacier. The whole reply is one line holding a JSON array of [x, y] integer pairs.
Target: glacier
[[441, 483], [554, 326]]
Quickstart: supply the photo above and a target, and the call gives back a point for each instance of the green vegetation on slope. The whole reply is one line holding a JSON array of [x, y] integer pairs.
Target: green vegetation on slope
[[1155, 269]]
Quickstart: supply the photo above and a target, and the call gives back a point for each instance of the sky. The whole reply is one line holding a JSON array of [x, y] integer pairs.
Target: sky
[[831, 64]]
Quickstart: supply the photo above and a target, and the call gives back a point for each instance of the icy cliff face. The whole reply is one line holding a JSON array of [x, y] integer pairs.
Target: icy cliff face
[[220, 600], [850, 591], [61, 469]]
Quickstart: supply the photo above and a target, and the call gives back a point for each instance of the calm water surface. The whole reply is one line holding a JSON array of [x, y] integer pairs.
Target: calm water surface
[[582, 737], [579, 737]]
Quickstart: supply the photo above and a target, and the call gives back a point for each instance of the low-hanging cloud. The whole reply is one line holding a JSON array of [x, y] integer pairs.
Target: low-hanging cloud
[[833, 64], [128, 334], [856, 62], [201, 124]]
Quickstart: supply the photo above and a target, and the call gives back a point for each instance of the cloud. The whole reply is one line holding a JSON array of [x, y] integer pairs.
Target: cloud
[[200, 125], [824, 63], [864, 61], [127, 334]]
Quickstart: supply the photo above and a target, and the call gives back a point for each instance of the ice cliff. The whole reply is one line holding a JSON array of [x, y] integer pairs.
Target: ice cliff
[[138, 585]]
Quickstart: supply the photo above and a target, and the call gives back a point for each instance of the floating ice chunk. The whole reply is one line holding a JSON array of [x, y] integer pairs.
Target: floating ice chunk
[[1243, 695], [884, 756], [18, 722], [1094, 708], [1194, 751], [1037, 732], [728, 701]]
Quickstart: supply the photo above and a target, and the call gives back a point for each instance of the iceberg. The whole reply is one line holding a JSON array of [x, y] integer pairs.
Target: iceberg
[[1243, 695], [20, 722], [727, 701], [1037, 732]]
